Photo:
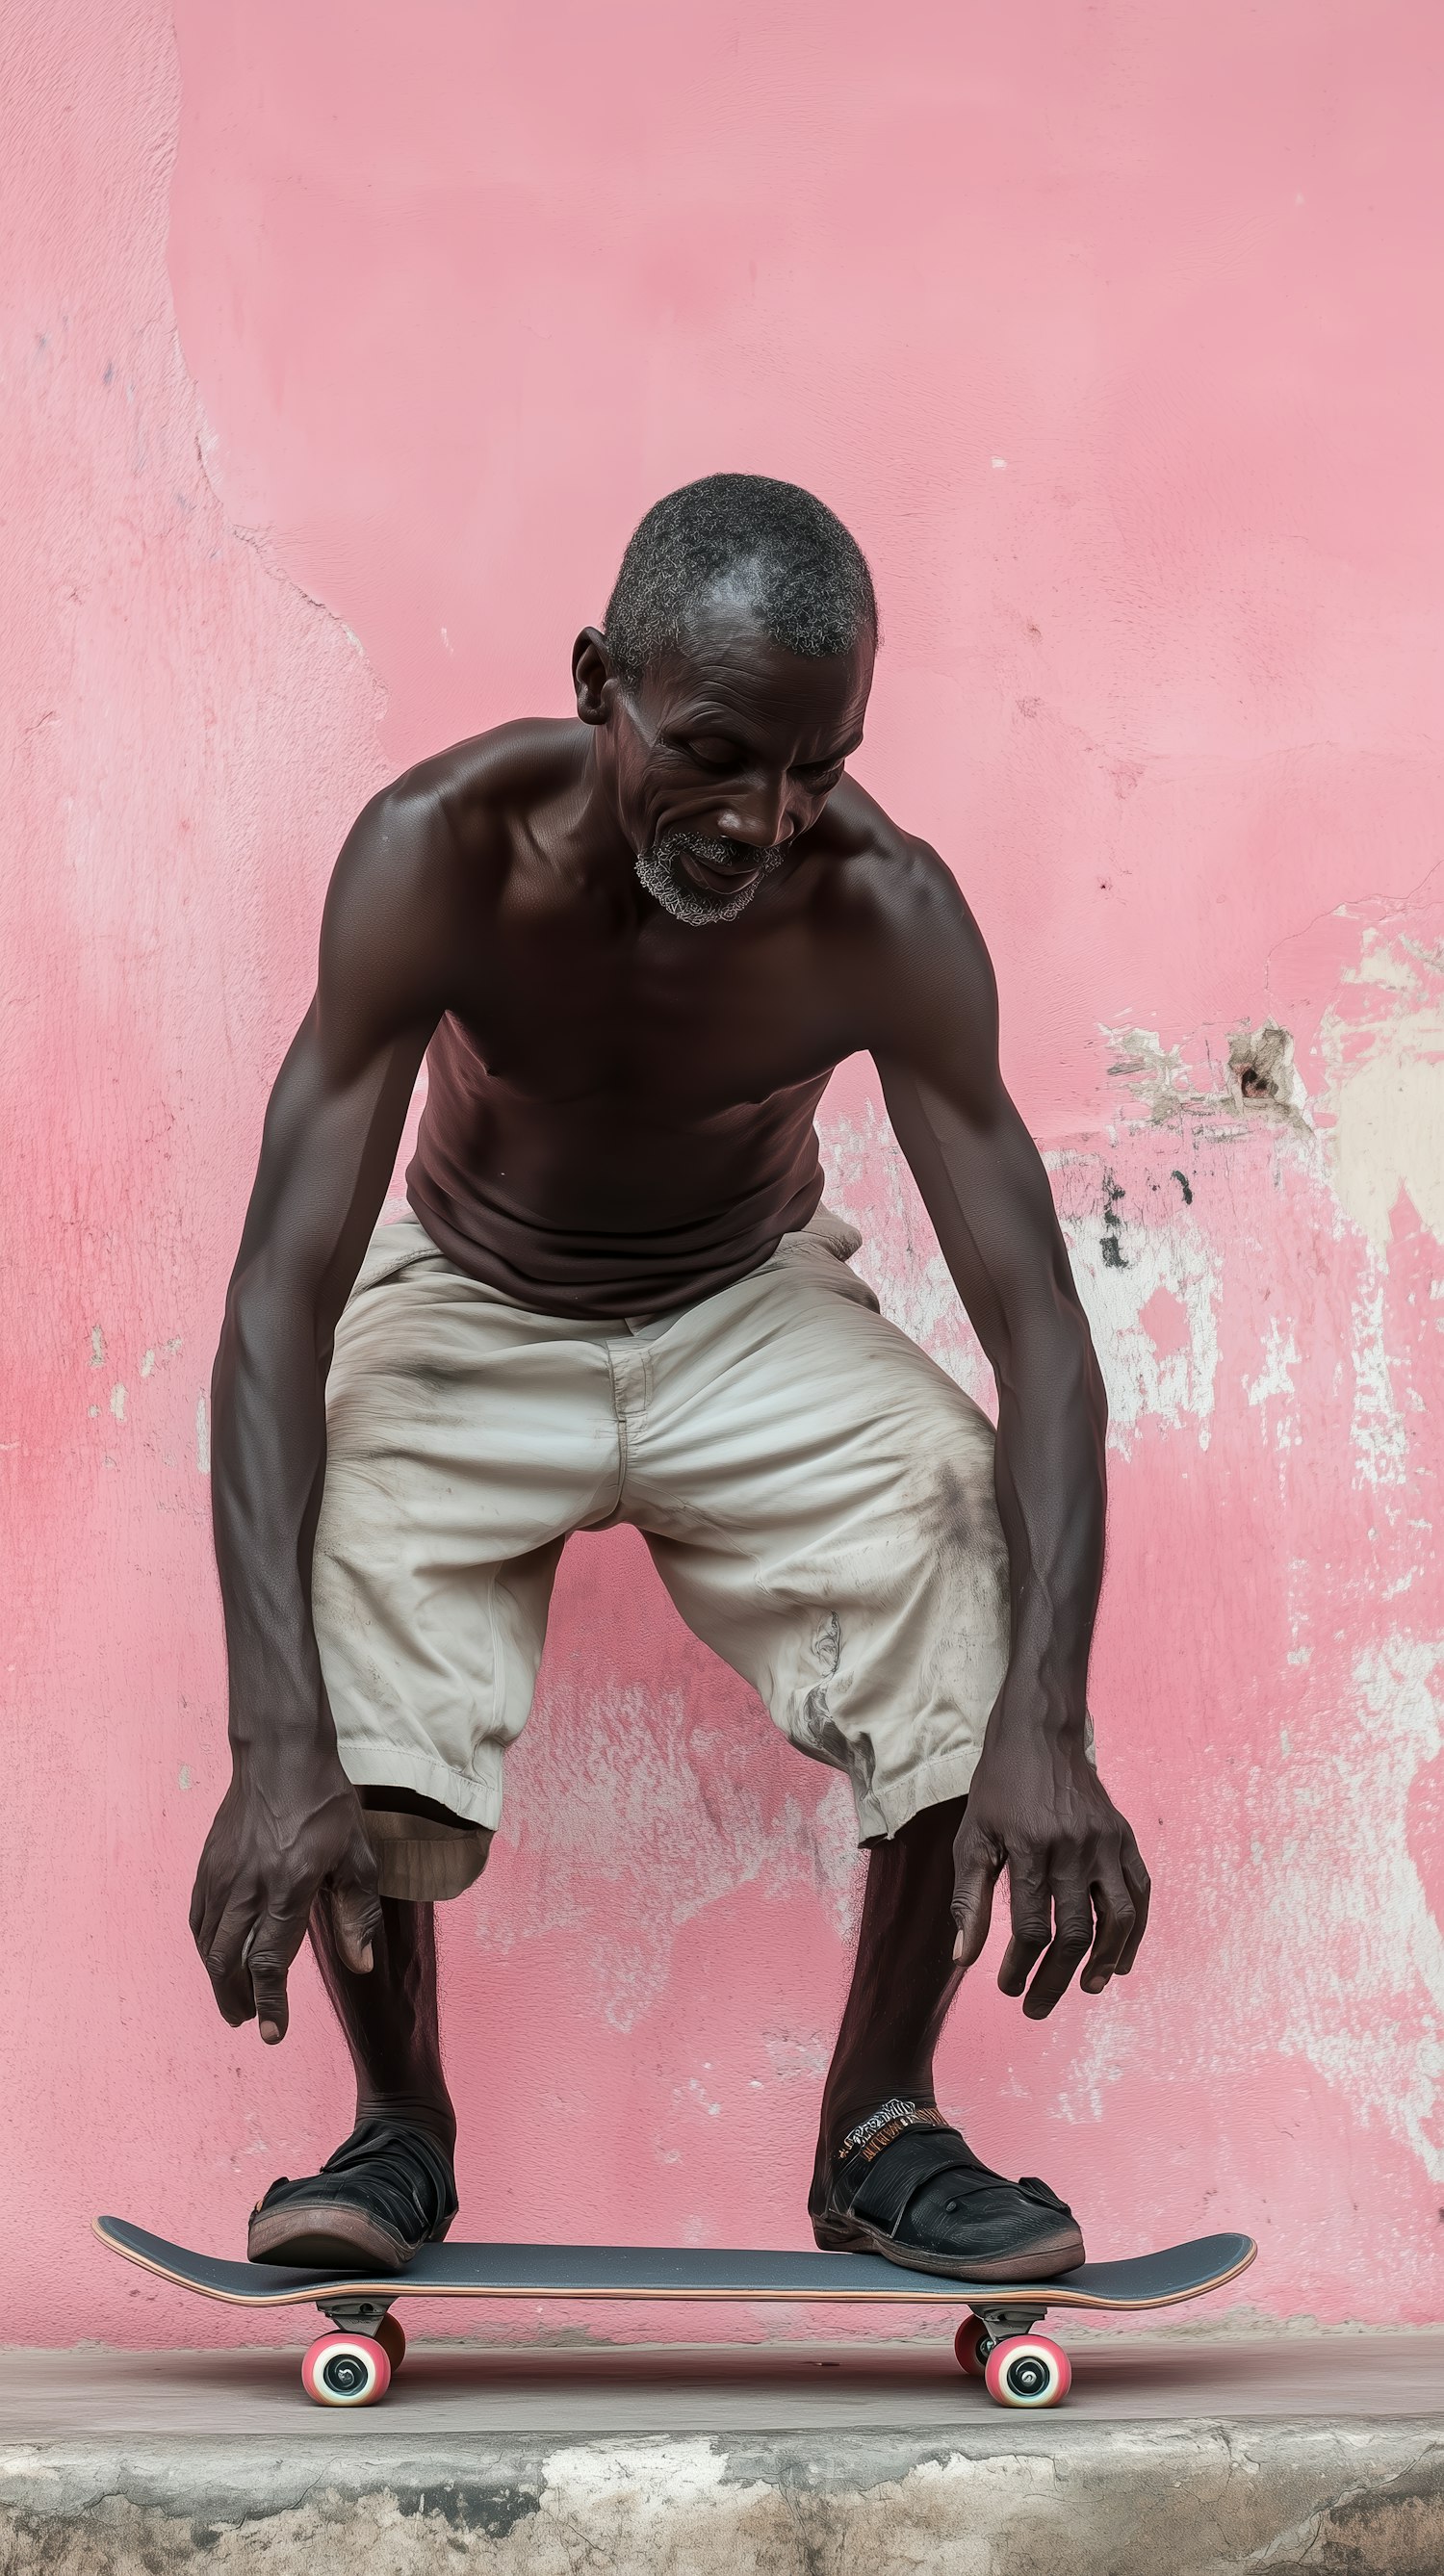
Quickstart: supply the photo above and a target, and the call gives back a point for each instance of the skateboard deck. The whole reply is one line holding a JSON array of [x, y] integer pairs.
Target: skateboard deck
[[354, 2363]]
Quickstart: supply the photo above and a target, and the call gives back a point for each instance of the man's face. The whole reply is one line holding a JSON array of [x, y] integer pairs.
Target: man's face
[[725, 754]]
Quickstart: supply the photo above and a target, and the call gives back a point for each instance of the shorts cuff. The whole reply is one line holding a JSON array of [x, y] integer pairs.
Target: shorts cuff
[[384, 1766], [881, 1813], [421, 1861]]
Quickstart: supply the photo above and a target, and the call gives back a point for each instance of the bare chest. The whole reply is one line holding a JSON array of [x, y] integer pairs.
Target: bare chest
[[646, 1028]]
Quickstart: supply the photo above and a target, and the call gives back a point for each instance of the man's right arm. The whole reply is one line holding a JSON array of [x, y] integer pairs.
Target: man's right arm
[[290, 1823]]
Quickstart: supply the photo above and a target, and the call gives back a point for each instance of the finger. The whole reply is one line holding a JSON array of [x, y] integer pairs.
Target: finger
[[225, 1960], [1032, 1913], [1140, 1889], [210, 1897], [977, 1876], [268, 1960], [1113, 1907], [355, 1923], [1066, 1953]]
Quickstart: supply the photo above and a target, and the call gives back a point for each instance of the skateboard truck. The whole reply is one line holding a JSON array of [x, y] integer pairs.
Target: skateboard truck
[[355, 2316], [1020, 2366], [999, 2322]]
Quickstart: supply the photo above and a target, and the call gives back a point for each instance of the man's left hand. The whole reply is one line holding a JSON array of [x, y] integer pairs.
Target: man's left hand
[[1078, 1888]]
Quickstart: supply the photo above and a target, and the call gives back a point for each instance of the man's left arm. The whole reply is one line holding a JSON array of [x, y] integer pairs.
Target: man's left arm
[[1079, 1890]]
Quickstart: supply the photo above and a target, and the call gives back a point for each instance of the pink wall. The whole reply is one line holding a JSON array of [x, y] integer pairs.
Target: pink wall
[[343, 347]]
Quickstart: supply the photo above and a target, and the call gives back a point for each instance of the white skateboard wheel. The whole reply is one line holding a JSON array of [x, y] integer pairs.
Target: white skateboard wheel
[[1028, 2370], [346, 2370]]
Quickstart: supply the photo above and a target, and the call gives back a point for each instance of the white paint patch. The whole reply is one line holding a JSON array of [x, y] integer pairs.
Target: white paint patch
[[117, 1402], [1119, 1266], [1152, 1072], [1376, 1431], [203, 1436], [869, 1182], [1346, 1910], [1386, 1086], [147, 1364], [1326, 1947], [183, 1776], [97, 1347], [1274, 1386]]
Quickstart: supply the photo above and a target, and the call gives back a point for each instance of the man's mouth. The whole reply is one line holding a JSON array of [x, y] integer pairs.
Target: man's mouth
[[702, 881], [724, 876]]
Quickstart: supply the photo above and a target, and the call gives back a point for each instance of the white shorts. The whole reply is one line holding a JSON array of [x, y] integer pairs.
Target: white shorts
[[816, 1493]]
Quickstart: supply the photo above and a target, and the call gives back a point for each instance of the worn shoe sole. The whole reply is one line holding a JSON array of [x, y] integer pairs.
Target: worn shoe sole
[[1043, 2260], [324, 2234]]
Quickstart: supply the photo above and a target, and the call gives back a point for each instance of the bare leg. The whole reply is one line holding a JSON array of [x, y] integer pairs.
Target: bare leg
[[903, 1979], [390, 2184], [939, 2210], [390, 2019]]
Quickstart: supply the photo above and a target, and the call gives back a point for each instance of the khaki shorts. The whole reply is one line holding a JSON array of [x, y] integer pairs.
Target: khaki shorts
[[816, 1493]]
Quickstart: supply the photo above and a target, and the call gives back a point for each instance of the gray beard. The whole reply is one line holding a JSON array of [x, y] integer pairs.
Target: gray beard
[[698, 906]]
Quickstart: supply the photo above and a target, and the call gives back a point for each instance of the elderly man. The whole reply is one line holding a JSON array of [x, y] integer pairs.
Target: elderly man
[[618, 1297]]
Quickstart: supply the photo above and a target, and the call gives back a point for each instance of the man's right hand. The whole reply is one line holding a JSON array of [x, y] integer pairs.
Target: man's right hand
[[288, 1827]]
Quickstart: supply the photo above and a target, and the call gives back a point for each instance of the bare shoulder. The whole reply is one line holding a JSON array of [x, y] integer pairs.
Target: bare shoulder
[[420, 874], [463, 803], [890, 892], [432, 851]]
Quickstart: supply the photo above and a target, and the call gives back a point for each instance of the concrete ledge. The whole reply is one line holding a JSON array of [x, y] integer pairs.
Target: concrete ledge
[[985, 2494]]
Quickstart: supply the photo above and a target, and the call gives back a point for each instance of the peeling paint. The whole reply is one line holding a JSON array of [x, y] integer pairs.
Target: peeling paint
[[1367, 1950], [1380, 1444], [1121, 1271], [1383, 1045]]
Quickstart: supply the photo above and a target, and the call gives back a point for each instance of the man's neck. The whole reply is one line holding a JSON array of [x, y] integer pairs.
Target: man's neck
[[597, 837]]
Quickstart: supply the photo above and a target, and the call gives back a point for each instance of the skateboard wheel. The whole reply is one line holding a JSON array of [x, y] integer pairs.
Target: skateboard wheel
[[1027, 2370], [972, 2346], [391, 2335], [346, 2370]]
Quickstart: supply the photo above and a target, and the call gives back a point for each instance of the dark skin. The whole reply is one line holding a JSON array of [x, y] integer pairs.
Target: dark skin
[[658, 1073]]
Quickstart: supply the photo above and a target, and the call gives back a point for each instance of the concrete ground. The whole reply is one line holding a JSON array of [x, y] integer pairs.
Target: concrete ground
[[1174, 2456]]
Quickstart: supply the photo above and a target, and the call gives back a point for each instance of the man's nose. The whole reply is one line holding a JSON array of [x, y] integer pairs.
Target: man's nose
[[757, 815]]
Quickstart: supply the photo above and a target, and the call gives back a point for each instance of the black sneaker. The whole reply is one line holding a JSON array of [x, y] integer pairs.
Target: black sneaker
[[905, 2185], [388, 2191]]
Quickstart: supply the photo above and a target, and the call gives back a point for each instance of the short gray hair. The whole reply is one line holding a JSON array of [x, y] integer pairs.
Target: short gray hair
[[784, 553]]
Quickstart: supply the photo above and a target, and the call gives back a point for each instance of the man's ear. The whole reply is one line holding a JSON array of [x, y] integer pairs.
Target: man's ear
[[591, 671]]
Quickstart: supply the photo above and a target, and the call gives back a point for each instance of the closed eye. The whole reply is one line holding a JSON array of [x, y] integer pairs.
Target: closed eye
[[712, 752]]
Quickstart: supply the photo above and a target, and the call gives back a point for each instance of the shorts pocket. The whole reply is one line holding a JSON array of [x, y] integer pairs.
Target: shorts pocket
[[392, 1249]]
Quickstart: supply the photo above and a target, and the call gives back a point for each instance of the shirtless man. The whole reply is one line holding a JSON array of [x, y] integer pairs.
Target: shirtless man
[[618, 1298]]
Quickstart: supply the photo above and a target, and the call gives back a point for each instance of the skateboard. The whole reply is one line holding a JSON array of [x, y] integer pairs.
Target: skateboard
[[355, 2361]]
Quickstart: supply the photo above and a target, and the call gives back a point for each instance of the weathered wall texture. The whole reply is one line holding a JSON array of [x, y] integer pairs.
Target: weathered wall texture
[[343, 347]]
